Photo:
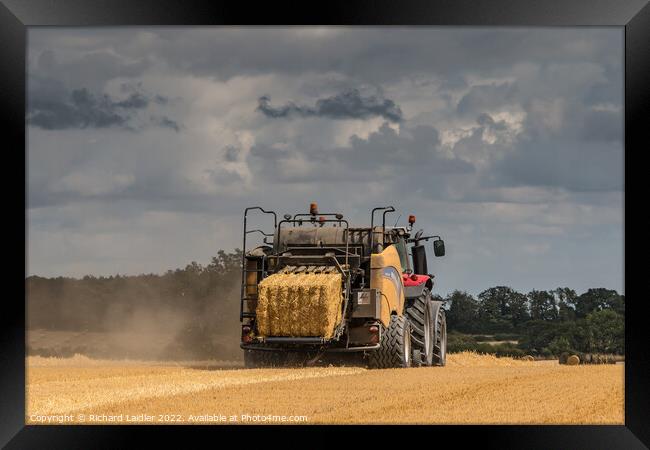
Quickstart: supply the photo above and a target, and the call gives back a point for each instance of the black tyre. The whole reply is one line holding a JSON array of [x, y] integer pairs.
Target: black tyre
[[419, 311], [260, 358], [440, 347], [416, 360], [395, 347]]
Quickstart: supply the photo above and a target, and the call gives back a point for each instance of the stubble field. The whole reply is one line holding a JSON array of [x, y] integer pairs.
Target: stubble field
[[471, 389]]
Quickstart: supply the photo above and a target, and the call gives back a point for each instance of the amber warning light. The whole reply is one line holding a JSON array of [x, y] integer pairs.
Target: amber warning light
[[411, 219], [313, 209]]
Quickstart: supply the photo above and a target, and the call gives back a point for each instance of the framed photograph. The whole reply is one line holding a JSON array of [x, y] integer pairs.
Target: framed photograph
[[371, 214]]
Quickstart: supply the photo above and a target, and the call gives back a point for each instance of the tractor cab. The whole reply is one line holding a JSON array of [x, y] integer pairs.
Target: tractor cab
[[412, 249]]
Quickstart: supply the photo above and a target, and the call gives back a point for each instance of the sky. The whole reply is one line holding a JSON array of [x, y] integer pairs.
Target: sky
[[146, 144]]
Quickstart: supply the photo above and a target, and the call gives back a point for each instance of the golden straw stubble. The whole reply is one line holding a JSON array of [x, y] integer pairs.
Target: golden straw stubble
[[471, 389], [299, 305]]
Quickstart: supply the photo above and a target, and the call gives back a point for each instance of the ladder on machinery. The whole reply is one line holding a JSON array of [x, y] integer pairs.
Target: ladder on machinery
[[245, 298]]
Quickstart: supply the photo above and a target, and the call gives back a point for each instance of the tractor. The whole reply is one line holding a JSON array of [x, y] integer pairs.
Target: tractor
[[375, 305]]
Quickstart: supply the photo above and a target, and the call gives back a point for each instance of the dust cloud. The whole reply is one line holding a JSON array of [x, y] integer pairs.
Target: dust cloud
[[187, 314]]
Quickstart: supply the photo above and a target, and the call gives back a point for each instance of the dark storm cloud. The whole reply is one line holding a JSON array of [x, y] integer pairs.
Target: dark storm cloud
[[573, 165], [350, 104], [543, 64], [581, 153], [166, 122], [135, 101], [70, 94], [83, 109], [413, 151], [585, 154], [405, 150], [263, 105]]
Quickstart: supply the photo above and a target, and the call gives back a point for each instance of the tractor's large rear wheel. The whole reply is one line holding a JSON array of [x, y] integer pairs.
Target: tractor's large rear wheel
[[420, 313], [395, 346], [440, 347]]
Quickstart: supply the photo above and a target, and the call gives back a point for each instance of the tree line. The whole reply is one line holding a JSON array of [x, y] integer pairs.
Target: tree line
[[542, 322], [100, 303]]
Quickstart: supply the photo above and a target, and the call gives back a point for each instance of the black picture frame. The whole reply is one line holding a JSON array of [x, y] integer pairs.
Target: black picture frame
[[17, 15]]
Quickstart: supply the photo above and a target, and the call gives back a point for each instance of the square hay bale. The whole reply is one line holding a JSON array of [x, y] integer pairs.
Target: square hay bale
[[299, 305]]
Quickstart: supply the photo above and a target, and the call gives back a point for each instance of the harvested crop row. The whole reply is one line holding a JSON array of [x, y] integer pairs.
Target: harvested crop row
[[66, 390]]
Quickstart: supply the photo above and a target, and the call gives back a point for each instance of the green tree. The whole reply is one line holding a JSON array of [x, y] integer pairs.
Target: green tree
[[566, 303], [616, 303], [493, 303], [519, 313], [559, 345], [549, 338], [537, 336], [598, 299], [607, 329], [463, 311], [500, 308], [542, 305]]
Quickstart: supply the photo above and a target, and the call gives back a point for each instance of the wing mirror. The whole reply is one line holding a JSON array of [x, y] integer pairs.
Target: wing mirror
[[439, 247]]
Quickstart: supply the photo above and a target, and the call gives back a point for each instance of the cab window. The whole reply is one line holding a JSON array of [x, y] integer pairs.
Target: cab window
[[400, 246]]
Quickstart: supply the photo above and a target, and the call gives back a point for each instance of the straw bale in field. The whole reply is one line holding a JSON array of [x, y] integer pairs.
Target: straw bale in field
[[573, 360], [299, 304]]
